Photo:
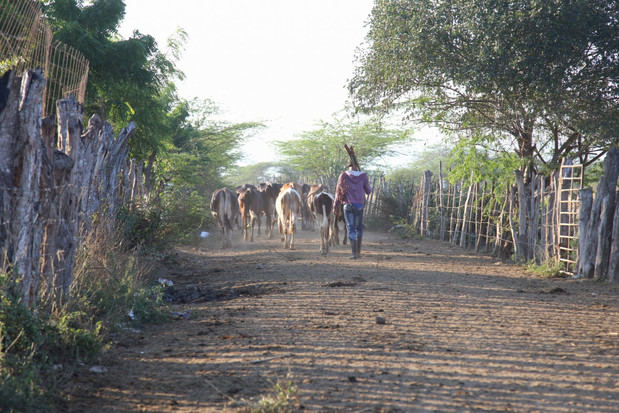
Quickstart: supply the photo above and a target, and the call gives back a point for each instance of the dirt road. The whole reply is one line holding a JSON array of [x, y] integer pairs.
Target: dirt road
[[413, 326]]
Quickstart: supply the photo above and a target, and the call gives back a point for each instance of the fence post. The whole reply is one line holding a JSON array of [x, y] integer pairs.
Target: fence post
[[22, 154], [441, 204]]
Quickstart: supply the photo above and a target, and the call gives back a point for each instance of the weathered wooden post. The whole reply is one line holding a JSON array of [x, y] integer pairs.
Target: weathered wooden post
[[21, 156], [427, 186], [595, 257], [613, 262], [441, 201]]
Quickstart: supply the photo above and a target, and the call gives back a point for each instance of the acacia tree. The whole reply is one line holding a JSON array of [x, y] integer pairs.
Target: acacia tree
[[201, 151], [320, 153], [537, 77]]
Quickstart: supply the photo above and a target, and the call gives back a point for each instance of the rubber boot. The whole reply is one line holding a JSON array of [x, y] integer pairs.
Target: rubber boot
[[353, 247], [359, 247]]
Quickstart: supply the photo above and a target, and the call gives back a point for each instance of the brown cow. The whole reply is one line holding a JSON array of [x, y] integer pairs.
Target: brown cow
[[225, 209], [250, 205], [269, 192], [321, 206], [288, 206]]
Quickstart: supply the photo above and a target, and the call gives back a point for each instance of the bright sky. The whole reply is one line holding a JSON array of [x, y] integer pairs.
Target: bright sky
[[281, 62]]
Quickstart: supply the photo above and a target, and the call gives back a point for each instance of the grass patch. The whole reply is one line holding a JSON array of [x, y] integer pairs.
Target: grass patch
[[547, 269], [282, 399]]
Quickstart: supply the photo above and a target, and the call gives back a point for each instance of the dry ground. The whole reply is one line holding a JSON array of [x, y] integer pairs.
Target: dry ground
[[462, 332]]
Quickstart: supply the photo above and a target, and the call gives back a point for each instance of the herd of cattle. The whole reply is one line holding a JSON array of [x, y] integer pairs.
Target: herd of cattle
[[283, 204]]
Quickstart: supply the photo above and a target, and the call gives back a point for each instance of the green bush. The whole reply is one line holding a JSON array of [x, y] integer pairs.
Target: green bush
[[403, 229], [21, 335], [186, 213], [30, 344], [141, 226], [178, 216], [547, 269], [109, 284]]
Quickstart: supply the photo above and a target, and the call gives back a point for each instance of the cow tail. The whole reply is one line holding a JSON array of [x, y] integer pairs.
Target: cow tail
[[227, 211]]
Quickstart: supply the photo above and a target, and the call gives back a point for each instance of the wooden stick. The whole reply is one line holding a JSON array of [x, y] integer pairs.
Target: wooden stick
[[353, 157]]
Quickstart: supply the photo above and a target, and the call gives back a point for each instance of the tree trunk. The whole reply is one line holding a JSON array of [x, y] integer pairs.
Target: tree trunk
[[607, 188], [521, 237], [598, 233], [613, 262], [586, 255]]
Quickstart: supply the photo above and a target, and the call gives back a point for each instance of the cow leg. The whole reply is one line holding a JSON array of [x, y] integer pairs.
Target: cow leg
[[280, 227], [336, 233], [325, 239], [268, 228], [287, 234], [292, 229], [253, 224], [222, 228], [259, 221]]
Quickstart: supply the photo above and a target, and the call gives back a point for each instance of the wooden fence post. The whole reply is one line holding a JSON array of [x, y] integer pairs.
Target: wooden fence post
[[441, 204], [607, 190], [21, 157], [613, 262]]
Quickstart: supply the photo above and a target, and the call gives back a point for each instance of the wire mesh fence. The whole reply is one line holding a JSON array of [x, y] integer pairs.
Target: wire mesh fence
[[26, 42]]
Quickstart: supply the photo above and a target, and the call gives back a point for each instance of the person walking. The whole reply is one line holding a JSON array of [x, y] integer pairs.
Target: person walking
[[352, 186]]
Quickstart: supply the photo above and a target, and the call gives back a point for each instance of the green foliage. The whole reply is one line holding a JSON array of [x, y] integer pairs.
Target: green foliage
[[129, 80], [109, 284], [283, 399], [429, 159], [548, 269], [320, 152], [256, 173], [404, 230], [185, 213], [141, 227], [30, 344], [533, 75], [203, 149]]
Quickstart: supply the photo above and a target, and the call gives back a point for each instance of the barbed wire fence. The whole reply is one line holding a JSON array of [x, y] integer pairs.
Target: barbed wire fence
[[26, 42]]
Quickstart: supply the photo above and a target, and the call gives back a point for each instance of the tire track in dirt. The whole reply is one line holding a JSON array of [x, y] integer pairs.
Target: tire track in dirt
[[462, 332]]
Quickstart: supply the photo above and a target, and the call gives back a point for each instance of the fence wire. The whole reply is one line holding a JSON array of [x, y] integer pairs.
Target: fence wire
[[26, 42]]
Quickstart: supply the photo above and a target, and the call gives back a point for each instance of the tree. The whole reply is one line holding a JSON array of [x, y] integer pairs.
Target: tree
[[320, 152], [255, 173], [534, 77], [429, 159], [203, 149]]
